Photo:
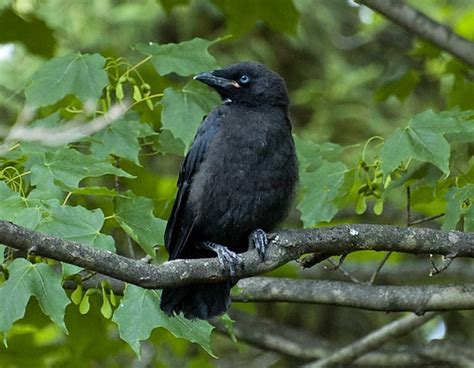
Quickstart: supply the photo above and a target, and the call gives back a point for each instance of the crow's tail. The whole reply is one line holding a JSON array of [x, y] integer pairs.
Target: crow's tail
[[201, 301]]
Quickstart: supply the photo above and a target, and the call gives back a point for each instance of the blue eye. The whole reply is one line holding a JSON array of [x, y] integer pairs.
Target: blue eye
[[244, 79]]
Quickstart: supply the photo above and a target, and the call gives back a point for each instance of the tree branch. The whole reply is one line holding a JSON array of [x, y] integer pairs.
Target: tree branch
[[373, 340], [387, 298], [418, 299], [284, 247], [424, 27]]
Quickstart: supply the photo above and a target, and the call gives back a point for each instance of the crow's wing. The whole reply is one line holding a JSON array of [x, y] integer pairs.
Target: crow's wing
[[181, 222]]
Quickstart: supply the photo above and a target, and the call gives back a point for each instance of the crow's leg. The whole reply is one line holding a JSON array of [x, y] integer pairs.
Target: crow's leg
[[258, 239], [230, 261]]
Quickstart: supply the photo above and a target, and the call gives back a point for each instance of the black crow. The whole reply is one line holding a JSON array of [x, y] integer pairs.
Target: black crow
[[236, 182]]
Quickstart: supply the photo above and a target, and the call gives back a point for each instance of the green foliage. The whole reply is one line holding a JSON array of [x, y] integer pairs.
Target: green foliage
[[75, 224], [185, 58], [135, 216], [139, 313], [283, 16], [460, 206], [184, 110], [69, 167], [76, 74], [27, 280], [35, 33], [423, 139], [120, 139], [113, 190]]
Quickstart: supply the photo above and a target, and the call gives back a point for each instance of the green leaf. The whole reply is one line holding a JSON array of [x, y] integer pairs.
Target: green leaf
[[167, 143], [184, 110], [15, 208], [139, 314], [26, 280], [135, 216], [121, 139], [312, 155], [423, 140], [280, 15], [69, 167], [35, 34], [460, 204], [466, 128], [75, 224], [320, 189], [80, 75], [95, 191], [185, 58]]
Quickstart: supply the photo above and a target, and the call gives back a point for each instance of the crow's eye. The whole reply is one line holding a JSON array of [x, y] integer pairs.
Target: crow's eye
[[244, 79]]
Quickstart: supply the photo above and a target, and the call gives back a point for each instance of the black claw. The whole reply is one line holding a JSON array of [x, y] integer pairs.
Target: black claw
[[259, 240], [230, 261]]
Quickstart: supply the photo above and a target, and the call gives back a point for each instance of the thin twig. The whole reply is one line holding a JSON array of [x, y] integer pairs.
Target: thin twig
[[425, 219], [379, 267], [408, 205], [271, 335], [338, 267], [373, 340], [387, 255], [447, 260]]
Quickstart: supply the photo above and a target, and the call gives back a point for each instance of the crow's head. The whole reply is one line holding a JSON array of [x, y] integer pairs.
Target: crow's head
[[248, 83]]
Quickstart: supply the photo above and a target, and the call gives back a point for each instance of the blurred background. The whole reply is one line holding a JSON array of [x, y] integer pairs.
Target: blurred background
[[351, 76]]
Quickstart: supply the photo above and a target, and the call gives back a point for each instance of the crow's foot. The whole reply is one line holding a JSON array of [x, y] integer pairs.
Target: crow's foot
[[259, 240], [230, 261]]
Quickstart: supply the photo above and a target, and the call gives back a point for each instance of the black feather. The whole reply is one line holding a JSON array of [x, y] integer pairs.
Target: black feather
[[238, 176]]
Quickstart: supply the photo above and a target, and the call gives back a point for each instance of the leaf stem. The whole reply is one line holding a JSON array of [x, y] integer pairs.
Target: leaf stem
[[140, 63], [368, 142], [67, 198], [144, 99]]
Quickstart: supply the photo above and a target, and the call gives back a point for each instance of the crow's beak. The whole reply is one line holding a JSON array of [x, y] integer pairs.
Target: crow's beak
[[216, 82]]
